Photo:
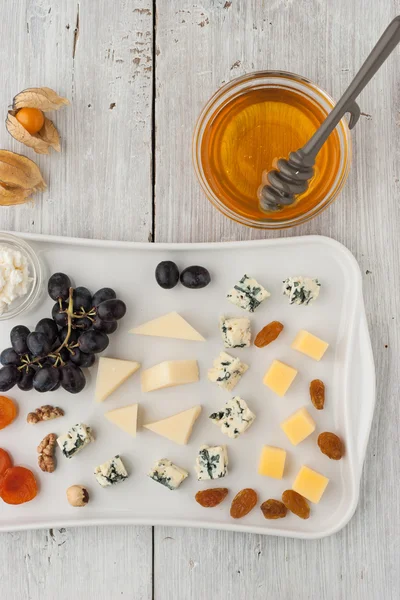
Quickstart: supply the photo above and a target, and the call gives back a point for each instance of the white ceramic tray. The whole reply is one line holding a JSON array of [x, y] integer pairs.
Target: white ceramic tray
[[347, 369]]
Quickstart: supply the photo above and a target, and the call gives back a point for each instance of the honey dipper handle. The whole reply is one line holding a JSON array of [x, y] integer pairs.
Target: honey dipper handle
[[385, 45]]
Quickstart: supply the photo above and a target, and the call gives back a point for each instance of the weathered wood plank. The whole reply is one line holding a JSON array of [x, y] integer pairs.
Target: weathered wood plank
[[199, 47]]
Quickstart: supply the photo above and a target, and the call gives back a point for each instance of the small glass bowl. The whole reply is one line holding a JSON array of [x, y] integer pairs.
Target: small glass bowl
[[279, 80], [25, 303]]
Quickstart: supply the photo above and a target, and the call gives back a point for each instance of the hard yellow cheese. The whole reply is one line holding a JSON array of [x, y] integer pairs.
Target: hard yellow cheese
[[125, 418], [310, 345], [298, 426], [171, 325], [111, 374], [272, 462], [176, 428], [310, 484], [279, 377], [170, 373]]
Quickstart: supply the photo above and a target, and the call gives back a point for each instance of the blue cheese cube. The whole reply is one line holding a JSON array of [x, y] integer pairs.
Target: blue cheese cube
[[236, 333], [248, 294], [211, 462], [111, 472], [227, 371], [75, 439], [301, 290], [168, 474], [235, 418]]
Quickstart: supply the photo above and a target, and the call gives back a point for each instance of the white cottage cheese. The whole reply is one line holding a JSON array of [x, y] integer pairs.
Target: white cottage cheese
[[14, 276]]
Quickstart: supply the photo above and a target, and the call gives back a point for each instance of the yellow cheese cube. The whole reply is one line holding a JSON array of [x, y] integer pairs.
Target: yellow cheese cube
[[272, 462], [279, 377], [310, 345], [298, 426], [310, 484]]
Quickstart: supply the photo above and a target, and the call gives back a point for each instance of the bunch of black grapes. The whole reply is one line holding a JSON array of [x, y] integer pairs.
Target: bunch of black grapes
[[56, 352]]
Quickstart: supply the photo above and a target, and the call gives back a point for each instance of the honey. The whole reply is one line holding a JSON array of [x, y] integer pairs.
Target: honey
[[248, 133]]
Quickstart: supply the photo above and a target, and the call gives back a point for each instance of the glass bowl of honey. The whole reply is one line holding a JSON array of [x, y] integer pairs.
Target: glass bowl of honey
[[251, 122]]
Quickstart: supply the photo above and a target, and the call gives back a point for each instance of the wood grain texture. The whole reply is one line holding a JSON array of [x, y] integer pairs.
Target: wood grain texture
[[200, 46]]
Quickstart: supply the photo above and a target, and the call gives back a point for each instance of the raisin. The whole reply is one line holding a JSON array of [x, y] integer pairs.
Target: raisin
[[331, 445], [296, 503], [243, 503], [317, 393], [268, 334], [273, 509], [212, 497]]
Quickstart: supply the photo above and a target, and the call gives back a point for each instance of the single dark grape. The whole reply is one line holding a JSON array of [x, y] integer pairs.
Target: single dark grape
[[111, 310], [46, 379], [9, 376], [167, 274], [106, 326], [93, 341], [81, 324], [58, 286], [195, 277], [72, 379], [10, 357], [82, 298], [103, 294], [60, 318], [38, 343], [80, 359], [49, 328], [74, 336], [26, 382], [18, 335]]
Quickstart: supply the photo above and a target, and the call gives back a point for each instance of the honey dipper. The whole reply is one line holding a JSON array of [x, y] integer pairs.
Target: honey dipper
[[280, 186]]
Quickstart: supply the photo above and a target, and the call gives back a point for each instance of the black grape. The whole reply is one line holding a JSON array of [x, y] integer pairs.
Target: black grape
[[18, 336], [103, 294], [72, 338], [106, 326], [167, 274], [82, 298], [111, 310], [60, 318], [93, 341], [26, 382], [82, 324], [9, 375], [72, 379], [10, 357], [38, 344], [58, 286], [49, 328], [46, 379], [80, 359]]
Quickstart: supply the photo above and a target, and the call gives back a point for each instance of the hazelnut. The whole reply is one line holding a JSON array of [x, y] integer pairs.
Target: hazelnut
[[77, 495]]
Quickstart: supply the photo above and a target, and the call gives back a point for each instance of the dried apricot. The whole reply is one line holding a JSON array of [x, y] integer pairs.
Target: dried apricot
[[8, 411], [5, 461], [331, 445], [296, 503], [273, 509], [211, 497], [268, 334], [18, 485], [243, 503], [317, 393]]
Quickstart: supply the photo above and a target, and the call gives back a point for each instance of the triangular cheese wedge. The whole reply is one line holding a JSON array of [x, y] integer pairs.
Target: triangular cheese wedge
[[111, 374], [171, 325], [125, 418], [178, 427]]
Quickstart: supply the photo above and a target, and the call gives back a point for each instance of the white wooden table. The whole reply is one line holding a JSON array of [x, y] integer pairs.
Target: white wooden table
[[137, 73]]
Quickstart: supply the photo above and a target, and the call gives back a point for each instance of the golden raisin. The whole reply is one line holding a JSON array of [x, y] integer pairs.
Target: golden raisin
[[211, 497], [296, 503], [243, 503], [317, 393], [32, 119], [331, 445], [268, 334], [273, 509]]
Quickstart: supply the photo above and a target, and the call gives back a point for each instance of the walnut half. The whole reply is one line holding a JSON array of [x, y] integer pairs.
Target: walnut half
[[46, 449], [44, 413]]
